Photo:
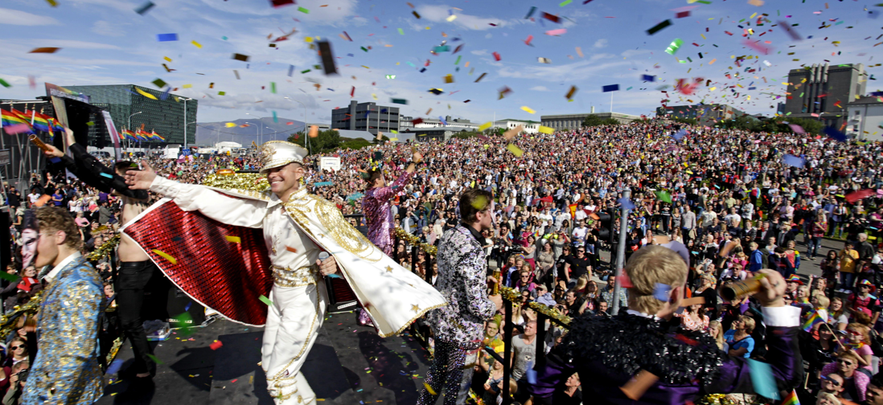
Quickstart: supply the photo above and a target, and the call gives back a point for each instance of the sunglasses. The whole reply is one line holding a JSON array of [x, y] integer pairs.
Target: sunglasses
[[831, 380], [17, 347], [845, 362]]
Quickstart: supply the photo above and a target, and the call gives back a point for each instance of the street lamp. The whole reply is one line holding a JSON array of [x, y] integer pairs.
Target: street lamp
[[306, 133], [186, 99], [261, 135]]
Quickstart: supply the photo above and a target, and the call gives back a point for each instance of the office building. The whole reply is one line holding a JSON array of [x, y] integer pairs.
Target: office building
[[449, 122], [529, 127], [823, 91], [865, 119], [365, 117], [575, 121], [166, 117], [706, 114]]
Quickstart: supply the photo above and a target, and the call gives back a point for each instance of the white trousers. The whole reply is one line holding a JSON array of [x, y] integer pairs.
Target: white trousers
[[293, 323]]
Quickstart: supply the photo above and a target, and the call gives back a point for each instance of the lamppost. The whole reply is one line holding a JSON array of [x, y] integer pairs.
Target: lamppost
[[306, 133], [261, 135], [130, 124], [186, 99]]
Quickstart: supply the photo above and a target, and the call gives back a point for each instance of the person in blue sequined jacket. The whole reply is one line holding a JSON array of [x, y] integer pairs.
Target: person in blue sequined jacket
[[66, 370], [459, 327]]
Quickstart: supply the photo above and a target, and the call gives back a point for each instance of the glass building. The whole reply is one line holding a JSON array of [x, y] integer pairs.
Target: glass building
[[166, 117]]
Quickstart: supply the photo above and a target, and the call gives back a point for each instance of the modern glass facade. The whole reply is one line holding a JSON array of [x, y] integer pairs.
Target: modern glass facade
[[366, 117], [166, 117]]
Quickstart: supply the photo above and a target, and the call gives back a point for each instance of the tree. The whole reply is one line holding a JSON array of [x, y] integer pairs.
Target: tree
[[465, 135], [594, 120], [325, 141]]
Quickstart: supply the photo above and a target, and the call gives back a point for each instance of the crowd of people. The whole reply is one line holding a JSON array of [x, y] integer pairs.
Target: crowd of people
[[724, 199]]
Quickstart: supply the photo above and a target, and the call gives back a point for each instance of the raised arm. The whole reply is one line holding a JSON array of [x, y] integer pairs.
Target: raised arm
[[191, 197], [91, 171]]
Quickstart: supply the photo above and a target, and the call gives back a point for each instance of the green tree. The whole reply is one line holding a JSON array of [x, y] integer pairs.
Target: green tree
[[466, 135], [325, 141], [354, 143]]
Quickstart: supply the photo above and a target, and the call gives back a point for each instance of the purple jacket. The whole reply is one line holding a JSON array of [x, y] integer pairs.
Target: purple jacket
[[608, 352]]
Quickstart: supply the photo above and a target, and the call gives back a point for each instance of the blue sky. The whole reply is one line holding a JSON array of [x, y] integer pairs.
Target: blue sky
[[107, 42]]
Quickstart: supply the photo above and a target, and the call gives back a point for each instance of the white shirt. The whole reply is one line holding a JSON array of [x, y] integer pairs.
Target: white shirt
[[287, 245], [55, 270]]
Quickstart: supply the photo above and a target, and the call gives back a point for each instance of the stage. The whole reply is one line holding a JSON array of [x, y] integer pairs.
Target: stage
[[349, 364]]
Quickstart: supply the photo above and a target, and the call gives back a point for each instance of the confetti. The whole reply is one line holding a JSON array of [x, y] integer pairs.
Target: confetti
[[216, 345], [637, 386], [273, 87], [609, 88], [144, 7], [762, 379], [165, 255], [528, 110], [401, 31], [552, 18], [510, 134], [485, 126], [514, 149], [674, 46], [496, 56], [757, 3], [480, 77], [558, 32], [44, 50], [4, 83], [533, 9], [265, 300], [196, 44], [682, 14], [416, 14], [52, 3], [544, 60], [659, 27], [152, 357], [546, 130], [327, 58], [314, 131], [399, 101], [10, 277], [280, 3], [291, 249], [166, 37], [579, 51], [233, 239], [144, 93], [570, 93], [159, 83], [564, 3], [239, 56], [303, 10], [230, 124], [790, 30], [109, 176], [757, 46]]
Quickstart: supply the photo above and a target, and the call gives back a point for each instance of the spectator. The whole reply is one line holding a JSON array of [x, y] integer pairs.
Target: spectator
[[855, 383], [739, 337]]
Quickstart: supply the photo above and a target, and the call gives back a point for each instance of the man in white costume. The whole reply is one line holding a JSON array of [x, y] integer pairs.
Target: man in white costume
[[297, 227]]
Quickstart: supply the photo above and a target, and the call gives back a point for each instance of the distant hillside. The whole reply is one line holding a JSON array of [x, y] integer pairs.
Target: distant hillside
[[209, 133]]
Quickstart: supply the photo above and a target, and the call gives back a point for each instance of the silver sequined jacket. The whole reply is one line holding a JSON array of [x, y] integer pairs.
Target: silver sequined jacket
[[66, 370], [462, 281]]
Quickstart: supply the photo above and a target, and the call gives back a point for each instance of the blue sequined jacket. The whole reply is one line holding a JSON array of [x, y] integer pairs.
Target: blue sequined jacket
[[462, 281], [66, 370]]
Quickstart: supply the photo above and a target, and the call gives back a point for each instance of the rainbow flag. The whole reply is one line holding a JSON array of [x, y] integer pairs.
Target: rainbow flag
[[141, 135], [813, 320], [156, 136], [40, 121], [791, 399], [10, 118]]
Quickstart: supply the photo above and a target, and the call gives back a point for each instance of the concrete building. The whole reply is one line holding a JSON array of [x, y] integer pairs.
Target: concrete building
[[170, 117], [530, 127], [408, 122], [823, 92], [365, 117], [575, 121], [865, 119], [706, 114]]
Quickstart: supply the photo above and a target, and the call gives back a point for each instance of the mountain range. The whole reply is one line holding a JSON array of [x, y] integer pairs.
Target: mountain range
[[246, 131]]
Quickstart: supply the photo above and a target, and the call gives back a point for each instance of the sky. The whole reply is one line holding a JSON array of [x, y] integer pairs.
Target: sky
[[604, 42]]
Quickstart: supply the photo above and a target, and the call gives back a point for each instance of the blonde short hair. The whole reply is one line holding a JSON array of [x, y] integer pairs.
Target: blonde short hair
[[828, 397], [749, 323], [649, 266]]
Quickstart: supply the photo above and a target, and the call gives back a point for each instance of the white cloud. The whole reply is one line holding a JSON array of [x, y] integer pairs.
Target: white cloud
[[601, 43], [15, 17], [479, 52], [109, 29], [441, 13], [539, 88], [553, 73]]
